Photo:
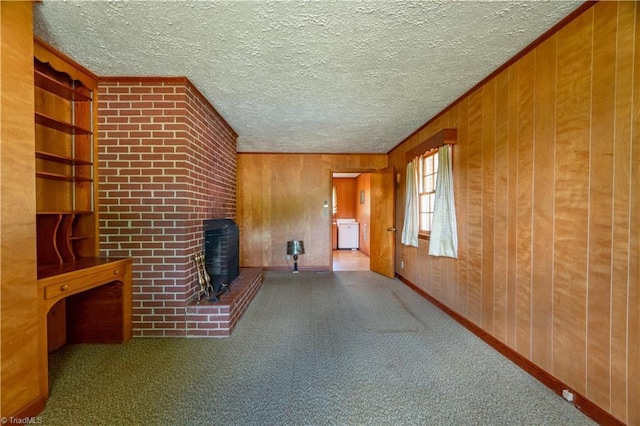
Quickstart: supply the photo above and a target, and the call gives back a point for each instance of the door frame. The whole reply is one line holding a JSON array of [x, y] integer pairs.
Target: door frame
[[331, 173], [330, 208]]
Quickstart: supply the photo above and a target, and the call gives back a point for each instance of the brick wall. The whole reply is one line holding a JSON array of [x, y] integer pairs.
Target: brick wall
[[167, 161]]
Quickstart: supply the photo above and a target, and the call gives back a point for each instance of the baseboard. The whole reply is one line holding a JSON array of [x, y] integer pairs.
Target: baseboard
[[579, 401], [28, 414], [300, 268]]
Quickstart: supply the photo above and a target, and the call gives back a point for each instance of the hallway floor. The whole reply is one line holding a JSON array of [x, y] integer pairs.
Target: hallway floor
[[350, 260]]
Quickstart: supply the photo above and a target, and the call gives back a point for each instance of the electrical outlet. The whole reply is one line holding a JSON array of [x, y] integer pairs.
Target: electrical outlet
[[567, 394], [288, 257], [402, 264]]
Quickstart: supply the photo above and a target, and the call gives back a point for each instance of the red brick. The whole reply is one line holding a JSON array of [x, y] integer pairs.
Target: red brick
[[139, 149]]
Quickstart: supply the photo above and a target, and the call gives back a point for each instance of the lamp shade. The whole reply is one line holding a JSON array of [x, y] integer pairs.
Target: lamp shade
[[295, 247]]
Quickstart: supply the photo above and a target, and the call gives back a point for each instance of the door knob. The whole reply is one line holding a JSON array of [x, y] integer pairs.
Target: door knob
[[391, 229]]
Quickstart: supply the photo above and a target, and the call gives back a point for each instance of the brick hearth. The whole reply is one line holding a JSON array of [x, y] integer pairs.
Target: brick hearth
[[217, 319]]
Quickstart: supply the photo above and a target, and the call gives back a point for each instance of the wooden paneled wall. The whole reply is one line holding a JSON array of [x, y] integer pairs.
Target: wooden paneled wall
[[363, 211], [547, 178], [19, 367], [281, 197], [346, 192]]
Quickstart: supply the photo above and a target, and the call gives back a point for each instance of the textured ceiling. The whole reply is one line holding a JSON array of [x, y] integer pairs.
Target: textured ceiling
[[312, 76]]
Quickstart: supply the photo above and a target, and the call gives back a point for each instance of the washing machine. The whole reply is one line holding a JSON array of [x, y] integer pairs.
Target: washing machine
[[348, 234]]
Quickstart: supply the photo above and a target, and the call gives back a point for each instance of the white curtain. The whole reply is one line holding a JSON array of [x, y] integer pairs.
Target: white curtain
[[411, 225], [444, 235]]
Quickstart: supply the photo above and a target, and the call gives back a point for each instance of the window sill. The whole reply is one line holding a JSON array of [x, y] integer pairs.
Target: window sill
[[424, 236]]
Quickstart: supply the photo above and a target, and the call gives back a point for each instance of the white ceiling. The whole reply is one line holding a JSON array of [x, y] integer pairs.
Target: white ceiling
[[305, 76]]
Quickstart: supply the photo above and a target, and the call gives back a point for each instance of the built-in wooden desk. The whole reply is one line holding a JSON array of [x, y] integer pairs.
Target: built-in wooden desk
[[87, 301]]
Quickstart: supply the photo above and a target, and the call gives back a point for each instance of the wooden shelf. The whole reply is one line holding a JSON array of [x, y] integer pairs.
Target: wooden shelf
[[57, 88], [66, 178], [62, 159], [54, 176], [61, 126], [78, 212]]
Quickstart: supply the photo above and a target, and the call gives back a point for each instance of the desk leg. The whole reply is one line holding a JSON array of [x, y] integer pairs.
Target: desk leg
[[43, 346]]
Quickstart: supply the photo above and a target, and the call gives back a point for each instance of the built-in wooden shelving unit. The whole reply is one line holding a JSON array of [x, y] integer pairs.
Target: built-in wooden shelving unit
[[65, 158], [83, 298]]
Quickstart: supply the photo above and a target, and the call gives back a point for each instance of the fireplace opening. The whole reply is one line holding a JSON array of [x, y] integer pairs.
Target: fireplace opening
[[221, 251]]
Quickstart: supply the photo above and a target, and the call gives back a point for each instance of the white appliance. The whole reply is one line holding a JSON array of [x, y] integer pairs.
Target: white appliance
[[348, 233]]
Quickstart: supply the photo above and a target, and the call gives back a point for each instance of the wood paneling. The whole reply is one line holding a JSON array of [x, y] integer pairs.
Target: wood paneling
[[601, 208], [633, 298], [571, 201], [512, 214], [524, 167], [546, 171], [620, 256], [363, 211], [474, 206], [501, 209], [488, 204], [19, 369], [281, 197], [461, 182], [543, 179], [346, 191]]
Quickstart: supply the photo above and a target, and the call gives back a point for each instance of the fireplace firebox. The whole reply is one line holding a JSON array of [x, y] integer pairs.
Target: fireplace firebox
[[221, 250]]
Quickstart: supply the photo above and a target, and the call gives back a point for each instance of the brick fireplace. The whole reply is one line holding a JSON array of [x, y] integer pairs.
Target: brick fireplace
[[222, 251], [167, 161]]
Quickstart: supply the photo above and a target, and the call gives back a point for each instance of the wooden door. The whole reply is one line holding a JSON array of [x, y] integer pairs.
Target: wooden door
[[383, 231]]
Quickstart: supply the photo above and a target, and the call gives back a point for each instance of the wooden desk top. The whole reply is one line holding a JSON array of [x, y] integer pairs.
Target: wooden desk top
[[83, 263]]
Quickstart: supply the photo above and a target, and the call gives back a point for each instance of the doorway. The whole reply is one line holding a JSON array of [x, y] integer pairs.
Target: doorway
[[351, 208], [350, 260]]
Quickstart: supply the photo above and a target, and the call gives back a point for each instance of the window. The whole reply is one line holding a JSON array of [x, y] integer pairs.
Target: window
[[334, 198], [427, 175]]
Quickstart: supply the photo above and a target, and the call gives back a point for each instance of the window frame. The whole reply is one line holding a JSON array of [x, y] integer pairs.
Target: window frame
[[427, 177]]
